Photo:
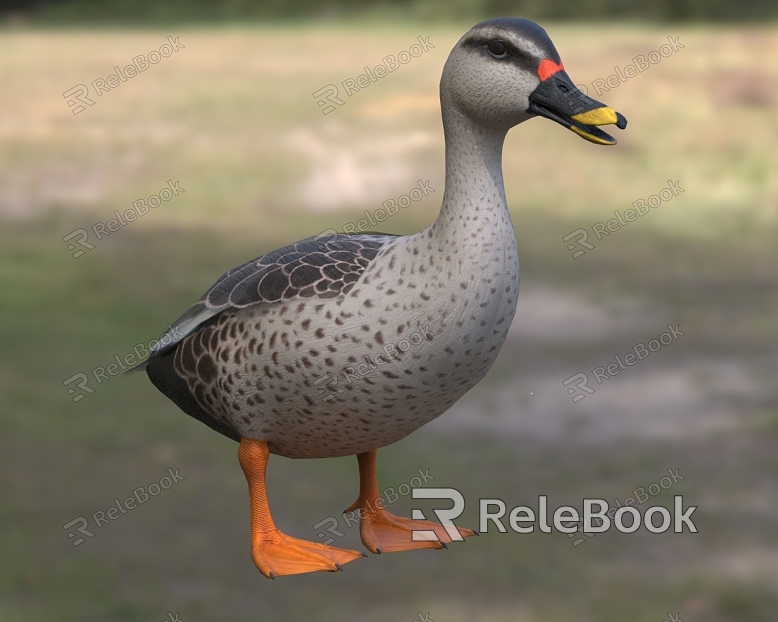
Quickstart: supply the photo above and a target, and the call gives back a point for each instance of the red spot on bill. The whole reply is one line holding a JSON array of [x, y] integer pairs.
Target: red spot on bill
[[548, 68]]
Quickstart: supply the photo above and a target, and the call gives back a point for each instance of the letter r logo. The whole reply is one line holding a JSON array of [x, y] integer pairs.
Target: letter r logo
[[83, 378], [582, 242], [79, 92], [326, 96], [82, 529], [446, 517], [82, 236], [580, 389]]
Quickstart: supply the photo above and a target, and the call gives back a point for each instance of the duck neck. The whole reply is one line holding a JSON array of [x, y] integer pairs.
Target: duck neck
[[474, 198]]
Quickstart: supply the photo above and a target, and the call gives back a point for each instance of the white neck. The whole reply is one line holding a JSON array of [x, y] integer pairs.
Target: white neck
[[474, 202]]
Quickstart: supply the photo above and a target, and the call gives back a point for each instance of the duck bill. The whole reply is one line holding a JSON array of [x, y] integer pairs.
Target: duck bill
[[559, 99]]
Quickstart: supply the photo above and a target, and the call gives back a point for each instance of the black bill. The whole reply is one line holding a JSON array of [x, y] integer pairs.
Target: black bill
[[558, 99]]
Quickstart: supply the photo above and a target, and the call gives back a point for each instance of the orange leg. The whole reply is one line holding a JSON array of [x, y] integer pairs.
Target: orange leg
[[383, 532], [273, 552]]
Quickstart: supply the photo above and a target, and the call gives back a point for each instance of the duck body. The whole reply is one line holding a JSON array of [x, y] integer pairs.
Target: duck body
[[325, 377], [343, 345]]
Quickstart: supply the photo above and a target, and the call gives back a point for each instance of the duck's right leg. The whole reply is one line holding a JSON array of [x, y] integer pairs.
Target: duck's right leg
[[383, 532]]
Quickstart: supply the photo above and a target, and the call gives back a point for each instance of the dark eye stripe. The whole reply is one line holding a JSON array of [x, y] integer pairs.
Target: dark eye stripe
[[513, 54]]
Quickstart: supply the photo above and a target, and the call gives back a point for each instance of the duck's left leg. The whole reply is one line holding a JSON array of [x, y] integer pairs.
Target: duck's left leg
[[273, 552], [383, 532]]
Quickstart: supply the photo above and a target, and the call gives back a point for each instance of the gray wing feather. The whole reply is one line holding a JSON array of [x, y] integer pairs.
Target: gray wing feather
[[312, 268]]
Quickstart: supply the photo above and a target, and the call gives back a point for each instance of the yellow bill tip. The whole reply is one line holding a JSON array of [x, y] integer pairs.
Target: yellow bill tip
[[592, 138]]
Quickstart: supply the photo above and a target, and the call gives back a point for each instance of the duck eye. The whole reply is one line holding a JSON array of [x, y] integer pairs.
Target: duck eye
[[497, 49]]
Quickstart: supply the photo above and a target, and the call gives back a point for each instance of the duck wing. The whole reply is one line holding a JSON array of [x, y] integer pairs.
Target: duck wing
[[315, 267]]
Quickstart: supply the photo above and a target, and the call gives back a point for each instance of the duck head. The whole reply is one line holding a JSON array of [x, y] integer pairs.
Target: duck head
[[506, 70]]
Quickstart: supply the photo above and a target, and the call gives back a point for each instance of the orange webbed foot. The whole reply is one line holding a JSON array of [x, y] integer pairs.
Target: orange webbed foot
[[277, 554], [383, 532]]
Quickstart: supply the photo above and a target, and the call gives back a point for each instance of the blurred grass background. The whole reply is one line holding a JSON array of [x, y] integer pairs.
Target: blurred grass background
[[232, 117], [188, 11]]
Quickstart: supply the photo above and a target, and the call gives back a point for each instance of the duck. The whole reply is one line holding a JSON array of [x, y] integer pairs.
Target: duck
[[343, 344]]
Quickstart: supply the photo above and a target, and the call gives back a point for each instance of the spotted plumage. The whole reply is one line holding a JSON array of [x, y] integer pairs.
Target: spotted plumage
[[301, 373]]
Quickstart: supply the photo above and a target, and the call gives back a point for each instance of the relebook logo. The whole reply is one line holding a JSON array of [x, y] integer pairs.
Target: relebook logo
[[522, 518], [597, 516]]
